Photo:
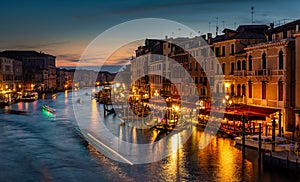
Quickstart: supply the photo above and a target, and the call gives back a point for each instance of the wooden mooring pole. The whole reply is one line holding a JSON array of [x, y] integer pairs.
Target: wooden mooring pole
[[243, 136], [279, 122], [273, 134], [259, 147], [259, 142]]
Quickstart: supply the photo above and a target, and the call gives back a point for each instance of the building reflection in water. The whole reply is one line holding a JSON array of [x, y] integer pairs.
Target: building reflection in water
[[94, 114], [26, 106], [66, 97], [20, 106]]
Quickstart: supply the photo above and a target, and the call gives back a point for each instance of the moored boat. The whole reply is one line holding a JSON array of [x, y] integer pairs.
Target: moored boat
[[29, 97], [252, 141]]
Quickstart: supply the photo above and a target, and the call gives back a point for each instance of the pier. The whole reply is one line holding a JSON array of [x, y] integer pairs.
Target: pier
[[288, 160]]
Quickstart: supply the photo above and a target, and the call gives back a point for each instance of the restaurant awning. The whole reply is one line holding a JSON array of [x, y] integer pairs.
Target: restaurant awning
[[250, 112]]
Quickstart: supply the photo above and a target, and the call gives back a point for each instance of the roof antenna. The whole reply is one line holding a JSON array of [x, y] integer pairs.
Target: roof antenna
[[217, 26], [209, 26], [252, 13], [223, 24]]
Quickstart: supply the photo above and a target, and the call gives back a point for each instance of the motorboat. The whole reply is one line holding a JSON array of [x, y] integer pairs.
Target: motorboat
[[48, 109], [252, 141], [29, 97]]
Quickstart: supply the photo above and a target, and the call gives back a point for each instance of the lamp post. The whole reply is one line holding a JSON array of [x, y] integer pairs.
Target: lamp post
[[32, 86], [227, 102]]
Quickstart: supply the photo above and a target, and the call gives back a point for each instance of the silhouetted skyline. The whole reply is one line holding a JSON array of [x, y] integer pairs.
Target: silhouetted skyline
[[64, 28]]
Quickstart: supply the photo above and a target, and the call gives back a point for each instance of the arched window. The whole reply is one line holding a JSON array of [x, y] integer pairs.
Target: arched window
[[232, 68], [232, 89], [250, 89], [280, 91], [264, 61], [223, 68], [264, 90], [243, 65], [238, 90], [243, 90], [250, 63], [239, 65], [280, 60]]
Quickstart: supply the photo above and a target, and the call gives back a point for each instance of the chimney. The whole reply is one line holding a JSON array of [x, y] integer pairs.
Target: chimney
[[166, 37], [209, 37], [271, 25], [203, 36]]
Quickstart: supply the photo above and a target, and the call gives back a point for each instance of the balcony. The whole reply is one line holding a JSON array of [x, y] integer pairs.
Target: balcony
[[240, 73], [263, 72], [278, 72], [244, 73]]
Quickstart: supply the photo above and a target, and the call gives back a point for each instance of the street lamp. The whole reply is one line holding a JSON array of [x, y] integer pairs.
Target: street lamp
[[227, 97], [227, 102], [32, 85], [156, 94]]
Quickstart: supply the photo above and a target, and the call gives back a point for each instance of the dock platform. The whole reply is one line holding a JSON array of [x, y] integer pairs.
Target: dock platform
[[286, 159]]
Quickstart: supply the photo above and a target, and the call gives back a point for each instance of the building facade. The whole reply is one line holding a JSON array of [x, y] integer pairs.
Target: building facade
[[6, 74], [39, 71]]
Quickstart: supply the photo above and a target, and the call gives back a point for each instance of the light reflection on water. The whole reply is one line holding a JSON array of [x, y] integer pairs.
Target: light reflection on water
[[36, 147]]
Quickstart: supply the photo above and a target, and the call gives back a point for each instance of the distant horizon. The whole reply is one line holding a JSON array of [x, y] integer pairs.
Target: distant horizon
[[111, 69]]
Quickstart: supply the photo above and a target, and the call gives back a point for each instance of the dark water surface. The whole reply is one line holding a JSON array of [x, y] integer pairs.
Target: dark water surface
[[40, 147]]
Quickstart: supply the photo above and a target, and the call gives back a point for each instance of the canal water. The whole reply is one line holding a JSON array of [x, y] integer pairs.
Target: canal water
[[38, 146]]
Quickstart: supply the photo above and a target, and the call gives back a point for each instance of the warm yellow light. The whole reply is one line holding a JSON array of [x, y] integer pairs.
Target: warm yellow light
[[156, 93], [227, 97], [230, 102], [226, 85], [176, 108]]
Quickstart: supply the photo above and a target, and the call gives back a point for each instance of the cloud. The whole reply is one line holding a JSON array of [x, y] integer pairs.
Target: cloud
[[36, 46], [177, 6]]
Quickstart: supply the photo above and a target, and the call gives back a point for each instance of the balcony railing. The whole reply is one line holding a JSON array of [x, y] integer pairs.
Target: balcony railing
[[263, 72], [240, 73], [278, 72], [244, 73]]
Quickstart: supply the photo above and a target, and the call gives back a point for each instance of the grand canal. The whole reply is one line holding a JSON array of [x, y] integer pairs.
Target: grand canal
[[36, 146]]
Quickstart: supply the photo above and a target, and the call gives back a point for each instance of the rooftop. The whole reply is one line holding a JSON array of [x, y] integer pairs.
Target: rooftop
[[19, 54]]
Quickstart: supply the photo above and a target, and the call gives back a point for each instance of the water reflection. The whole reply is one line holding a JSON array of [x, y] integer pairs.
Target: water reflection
[[66, 97], [33, 143]]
